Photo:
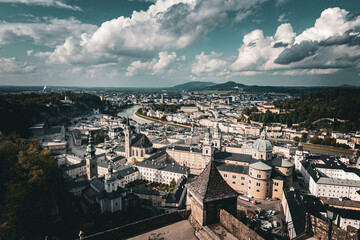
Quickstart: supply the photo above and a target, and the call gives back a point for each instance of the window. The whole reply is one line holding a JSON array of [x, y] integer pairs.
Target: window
[[242, 184], [249, 181], [225, 175], [233, 176], [258, 184], [258, 176], [275, 190], [257, 190], [276, 184], [242, 178], [233, 182]]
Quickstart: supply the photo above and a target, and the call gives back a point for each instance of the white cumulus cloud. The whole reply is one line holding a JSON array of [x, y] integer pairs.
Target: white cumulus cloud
[[208, 63], [49, 32], [331, 44], [167, 25], [155, 65], [11, 66]]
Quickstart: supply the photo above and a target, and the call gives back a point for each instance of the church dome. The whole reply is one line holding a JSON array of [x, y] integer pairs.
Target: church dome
[[262, 144]]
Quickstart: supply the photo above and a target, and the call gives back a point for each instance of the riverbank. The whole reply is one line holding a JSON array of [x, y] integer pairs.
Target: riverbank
[[317, 148], [149, 119]]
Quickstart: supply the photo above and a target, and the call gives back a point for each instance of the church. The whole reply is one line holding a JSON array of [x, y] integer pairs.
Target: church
[[254, 172]]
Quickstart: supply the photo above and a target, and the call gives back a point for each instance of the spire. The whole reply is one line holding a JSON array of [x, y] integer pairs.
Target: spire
[[210, 185], [109, 176], [263, 134], [90, 148], [207, 136], [216, 130]]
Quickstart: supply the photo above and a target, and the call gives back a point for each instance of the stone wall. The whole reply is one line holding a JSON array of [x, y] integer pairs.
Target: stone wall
[[140, 226], [321, 228], [197, 212], [237, 228]]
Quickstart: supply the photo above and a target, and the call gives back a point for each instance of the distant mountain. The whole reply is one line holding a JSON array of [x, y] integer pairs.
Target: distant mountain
[[192, 85], [226, 86], [256, 89]]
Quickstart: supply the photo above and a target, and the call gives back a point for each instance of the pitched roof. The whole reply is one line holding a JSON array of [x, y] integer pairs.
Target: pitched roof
[[210, 186], [141, 141]]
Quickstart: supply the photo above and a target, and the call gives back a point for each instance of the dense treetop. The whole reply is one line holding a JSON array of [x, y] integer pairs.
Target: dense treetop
[[32, 191], [19, 111], [338, 103]]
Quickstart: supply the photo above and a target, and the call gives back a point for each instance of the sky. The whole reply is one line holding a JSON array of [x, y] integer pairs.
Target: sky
[[162, 43]]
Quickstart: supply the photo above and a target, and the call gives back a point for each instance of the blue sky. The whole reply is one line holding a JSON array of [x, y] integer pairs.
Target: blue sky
[[153, 43]]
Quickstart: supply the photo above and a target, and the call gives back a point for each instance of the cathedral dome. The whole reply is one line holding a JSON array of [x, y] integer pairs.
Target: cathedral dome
[[262, 144]]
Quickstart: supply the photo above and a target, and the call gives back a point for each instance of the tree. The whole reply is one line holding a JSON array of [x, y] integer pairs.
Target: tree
[[34, 190]]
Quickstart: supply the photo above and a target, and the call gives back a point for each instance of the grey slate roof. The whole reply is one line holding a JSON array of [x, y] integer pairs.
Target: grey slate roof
[[233, 156], [233, 168], [141, 141], [210, 186]]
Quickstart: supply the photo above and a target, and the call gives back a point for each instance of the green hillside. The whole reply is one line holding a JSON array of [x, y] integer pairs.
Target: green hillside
[[341, 104]]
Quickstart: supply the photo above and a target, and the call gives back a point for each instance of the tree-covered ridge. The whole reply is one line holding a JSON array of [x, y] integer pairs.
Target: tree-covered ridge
[[19, 111], [32, 191], [338, 103]]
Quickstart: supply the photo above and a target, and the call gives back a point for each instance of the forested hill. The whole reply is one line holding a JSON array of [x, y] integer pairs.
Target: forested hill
[[19, 111], [338, 103]]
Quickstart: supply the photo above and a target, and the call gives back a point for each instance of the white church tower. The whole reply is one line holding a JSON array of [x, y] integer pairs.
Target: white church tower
[[299, 156], [110, 180], [217, 138], [207, 149]]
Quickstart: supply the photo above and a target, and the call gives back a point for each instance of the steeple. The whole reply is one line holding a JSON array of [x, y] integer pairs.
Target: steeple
[[217, 139], [90, 147], [216, 131], [263, 134], [127, 134], [91, 162], [207, 139], [110, 180], [210, 185]]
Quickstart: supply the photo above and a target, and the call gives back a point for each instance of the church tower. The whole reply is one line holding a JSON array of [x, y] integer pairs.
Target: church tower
[[127, 133], [91, 164], [207, 149], [110, 180], [299, 156], [217, 138]]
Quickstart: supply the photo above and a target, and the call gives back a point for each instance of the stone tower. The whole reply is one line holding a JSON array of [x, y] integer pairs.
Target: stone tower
[[91, 164], [127, 133]]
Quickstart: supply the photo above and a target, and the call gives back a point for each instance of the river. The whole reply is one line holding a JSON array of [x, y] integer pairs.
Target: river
[[130, 112]]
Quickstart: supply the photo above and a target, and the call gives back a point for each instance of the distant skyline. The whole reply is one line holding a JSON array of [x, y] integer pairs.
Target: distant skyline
[[162, 43]]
